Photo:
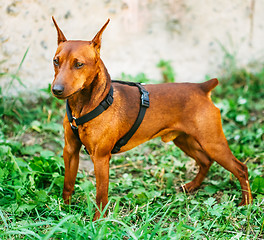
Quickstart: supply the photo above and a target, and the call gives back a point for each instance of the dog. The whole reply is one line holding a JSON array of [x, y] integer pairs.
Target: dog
[[178, 112]]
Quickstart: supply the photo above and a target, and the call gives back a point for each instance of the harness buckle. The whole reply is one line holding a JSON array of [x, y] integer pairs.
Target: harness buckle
[[72, 126], [109, 100], [144, 98]]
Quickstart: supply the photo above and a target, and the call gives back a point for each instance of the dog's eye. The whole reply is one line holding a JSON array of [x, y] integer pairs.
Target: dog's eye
[[78, 65], [56, 62]]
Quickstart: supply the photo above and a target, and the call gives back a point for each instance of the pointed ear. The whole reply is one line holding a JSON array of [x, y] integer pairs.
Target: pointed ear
[[61, 37], [97, 39]]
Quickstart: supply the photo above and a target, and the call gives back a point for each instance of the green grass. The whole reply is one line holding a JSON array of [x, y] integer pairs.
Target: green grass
[[145, 201]]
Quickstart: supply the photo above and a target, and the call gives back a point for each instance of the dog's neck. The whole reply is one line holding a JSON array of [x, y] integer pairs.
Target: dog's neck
[[90, 96]]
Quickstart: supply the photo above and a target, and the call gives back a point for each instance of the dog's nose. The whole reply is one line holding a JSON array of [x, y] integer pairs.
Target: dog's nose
[[58, 89]]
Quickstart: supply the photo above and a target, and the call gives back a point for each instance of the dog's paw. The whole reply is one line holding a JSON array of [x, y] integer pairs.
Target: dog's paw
[[188, 188]]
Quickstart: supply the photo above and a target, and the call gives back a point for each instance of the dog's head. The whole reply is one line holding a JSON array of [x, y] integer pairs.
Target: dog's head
[[75, 63]]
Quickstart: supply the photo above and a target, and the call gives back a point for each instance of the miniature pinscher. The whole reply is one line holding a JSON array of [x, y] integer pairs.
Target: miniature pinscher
[[178, 112]]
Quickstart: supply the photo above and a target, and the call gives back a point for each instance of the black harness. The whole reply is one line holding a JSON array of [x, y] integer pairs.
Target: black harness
[[105, 104]]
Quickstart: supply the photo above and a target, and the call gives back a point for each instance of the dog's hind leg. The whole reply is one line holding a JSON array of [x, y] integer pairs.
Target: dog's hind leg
[[193, 149], [213, 142], [220, 152]]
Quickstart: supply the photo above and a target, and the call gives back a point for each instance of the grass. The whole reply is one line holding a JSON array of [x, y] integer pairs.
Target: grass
[[145, 201]]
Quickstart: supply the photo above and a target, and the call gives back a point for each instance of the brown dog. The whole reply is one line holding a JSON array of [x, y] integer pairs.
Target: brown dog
[[178, 112]]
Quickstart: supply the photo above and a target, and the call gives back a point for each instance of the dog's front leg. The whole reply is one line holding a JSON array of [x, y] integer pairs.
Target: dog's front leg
[[101, 169], [71, 161]]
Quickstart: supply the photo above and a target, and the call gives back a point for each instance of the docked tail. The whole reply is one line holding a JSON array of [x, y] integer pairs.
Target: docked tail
[[208, 86]]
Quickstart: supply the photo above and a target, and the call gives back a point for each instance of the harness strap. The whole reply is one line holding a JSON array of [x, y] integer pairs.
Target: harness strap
[[94, 113], [144, 104]]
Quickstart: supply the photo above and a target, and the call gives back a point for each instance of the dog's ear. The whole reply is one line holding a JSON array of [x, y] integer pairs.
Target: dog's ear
[[97, 39], [61, 37]]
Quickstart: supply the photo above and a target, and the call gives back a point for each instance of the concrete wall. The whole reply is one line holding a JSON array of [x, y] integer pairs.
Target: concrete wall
[[191, 34]]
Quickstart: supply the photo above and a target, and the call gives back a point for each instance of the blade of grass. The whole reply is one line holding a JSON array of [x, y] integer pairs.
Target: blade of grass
[[22, 232], [57, 227], [3, 218], [15, 76], [128, 229]]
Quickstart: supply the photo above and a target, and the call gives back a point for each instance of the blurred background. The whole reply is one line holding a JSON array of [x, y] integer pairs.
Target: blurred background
[[196, 38]]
